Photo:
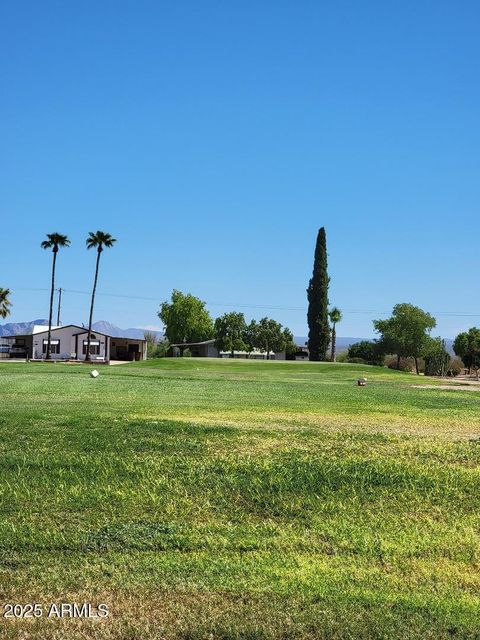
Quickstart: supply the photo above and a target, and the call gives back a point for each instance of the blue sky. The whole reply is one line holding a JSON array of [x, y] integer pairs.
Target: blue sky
[[213, 139]]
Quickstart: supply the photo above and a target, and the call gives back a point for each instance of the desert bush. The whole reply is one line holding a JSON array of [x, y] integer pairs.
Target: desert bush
[[406, 364], [455, 367]]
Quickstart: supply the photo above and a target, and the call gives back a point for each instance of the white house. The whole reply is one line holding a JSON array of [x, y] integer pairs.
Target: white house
[[70, 343]]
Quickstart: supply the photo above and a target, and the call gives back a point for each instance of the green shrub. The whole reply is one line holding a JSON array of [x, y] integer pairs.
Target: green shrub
[[370, 351], [158, 350]]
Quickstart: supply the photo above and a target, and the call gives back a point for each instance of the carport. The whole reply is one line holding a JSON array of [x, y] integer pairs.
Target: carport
[[128, 349]]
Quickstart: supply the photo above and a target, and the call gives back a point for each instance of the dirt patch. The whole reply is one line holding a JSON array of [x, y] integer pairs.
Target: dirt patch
[[448, 387]]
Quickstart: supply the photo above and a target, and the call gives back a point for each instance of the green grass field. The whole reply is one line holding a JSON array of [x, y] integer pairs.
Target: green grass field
[[208, 499]]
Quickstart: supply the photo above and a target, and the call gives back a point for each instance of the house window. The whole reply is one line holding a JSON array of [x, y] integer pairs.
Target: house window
[[54, 346], [94, 347]]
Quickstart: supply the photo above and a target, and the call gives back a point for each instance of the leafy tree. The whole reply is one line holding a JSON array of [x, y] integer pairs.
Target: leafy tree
[[97, 241], [290, 345], [371, 351], [230, 332], [5, 303], [317, 294], [461, 348], [335, 316], [54, 241], [467, 347], [436, 357], [186, 319], [267, 335], [406, 332], [251, 336]]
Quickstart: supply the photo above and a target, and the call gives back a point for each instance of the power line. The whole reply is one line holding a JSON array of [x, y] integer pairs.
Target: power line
[[456, 314]]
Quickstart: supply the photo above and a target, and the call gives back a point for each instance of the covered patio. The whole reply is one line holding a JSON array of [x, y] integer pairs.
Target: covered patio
[[128, 349]]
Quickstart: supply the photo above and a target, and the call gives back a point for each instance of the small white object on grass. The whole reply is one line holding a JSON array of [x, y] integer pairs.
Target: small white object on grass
[[94, 373], [362, 382]]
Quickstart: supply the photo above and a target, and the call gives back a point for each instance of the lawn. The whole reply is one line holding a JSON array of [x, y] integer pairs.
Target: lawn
[[209, 499]]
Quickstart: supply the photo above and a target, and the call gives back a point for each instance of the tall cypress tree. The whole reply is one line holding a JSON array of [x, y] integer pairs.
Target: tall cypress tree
[[317, 294]]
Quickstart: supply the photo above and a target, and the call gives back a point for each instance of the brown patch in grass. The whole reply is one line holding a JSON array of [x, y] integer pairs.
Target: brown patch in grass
[[218, 616]]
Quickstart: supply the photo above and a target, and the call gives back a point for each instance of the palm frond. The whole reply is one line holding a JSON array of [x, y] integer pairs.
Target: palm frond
[[100, 239], [335, 315], [55, 240], [5, 303]]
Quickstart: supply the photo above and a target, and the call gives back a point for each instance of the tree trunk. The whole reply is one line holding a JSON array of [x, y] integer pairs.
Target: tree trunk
[[333, 355], [88, 357], [416, 366], [52, 291], [267, 356], [398, 362]]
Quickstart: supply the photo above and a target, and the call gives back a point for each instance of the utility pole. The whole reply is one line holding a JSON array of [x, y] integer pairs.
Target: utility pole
[[59, 305]]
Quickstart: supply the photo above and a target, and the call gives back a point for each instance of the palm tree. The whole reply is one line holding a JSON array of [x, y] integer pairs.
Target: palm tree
[[335, 315], [54, 241], [100, 239], [5, 303]]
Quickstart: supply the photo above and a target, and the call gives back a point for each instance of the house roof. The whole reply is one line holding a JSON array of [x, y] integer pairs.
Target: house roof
[[40, 328], [77, 326]]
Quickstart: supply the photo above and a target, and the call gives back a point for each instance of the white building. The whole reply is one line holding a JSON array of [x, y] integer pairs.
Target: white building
[[208, 349], [70, 343]]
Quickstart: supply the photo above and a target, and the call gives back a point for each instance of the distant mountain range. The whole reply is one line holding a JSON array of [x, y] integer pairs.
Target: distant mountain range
[[19, 328], [102, 326]]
